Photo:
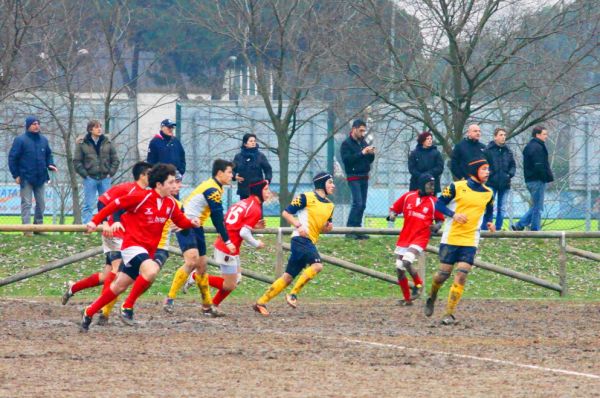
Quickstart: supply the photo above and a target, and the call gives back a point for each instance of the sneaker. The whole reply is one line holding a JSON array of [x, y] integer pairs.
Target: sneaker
[[449, 319], [292, 300], [86, 321], [67, 295], [212, 312], [429, 306], [406, 303], [126, 316], [415, 292], [169, 305], [515, 227], [261, 309], [102, 320], [188, 283]]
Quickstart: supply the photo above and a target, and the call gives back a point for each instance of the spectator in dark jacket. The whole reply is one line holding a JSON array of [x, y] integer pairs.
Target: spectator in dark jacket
[[29, 160], [250, 166], [166, 148], [96, 161], [425, 159], [502, 170], [536, 169], [466, 151], [357, 157]]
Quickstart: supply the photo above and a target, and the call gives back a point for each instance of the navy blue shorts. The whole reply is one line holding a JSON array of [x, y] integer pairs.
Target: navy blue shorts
[[450, 254], [112, 256], [192, 239], [132, 268], [161, 257], [303, 253]]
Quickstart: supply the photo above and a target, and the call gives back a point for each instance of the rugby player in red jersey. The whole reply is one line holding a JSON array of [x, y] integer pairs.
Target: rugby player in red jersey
[[111, 243], [418, 207], [146, 214]]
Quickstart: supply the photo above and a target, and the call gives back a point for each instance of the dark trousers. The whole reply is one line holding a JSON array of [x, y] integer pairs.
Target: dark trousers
[[359, 189]]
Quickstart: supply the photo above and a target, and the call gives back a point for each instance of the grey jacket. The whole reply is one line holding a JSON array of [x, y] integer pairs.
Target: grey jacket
[[95, 160]]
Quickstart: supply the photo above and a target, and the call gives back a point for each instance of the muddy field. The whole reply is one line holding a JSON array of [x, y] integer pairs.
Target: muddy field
[[323, 349]]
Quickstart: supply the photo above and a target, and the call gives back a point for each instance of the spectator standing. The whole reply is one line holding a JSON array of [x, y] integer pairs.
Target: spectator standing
[[536, 169], [466, 151], [502, 170], [29, 160], [96, 161], [250, 166], [425, 159], [166, 148], [357, 156]]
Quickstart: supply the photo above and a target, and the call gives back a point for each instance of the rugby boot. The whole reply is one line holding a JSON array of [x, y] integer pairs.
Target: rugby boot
[[429, 306], [261, 309], [292, 300], [86, 321], [449, 319], [126, 316], [169, 305], [67, 295], [212, 312]]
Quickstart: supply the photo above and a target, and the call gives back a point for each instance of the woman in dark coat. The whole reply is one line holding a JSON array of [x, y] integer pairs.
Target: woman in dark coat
[[425, 158], [250, 165]]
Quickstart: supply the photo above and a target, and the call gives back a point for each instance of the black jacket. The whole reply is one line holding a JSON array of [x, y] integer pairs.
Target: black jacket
[[502, 166], [425, 160], [535, 162], [253, 165], [355, 163], [464, 152], [166, 149]]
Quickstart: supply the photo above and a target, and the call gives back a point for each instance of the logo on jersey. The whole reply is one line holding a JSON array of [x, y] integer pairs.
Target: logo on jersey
[[425, 210], [447, 193], [215, 196], [148, 211]]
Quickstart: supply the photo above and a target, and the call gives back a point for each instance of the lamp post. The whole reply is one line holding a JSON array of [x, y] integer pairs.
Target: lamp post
[[232, 61]]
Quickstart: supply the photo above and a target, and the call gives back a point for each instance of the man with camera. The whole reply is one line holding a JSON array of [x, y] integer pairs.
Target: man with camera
[[357, 156]]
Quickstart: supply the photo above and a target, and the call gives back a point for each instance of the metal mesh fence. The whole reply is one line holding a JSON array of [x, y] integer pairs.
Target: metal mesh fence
[[210, 130]]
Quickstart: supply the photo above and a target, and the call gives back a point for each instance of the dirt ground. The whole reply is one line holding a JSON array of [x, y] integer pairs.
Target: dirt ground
[[346, 348]]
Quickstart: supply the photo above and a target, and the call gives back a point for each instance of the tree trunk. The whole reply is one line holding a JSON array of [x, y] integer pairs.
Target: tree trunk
[[283, 154], [73, 176]]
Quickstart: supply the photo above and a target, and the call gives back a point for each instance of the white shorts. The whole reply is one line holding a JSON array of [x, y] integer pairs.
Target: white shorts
[[229, 264], [401, 250], [132, 251], [111, 244]]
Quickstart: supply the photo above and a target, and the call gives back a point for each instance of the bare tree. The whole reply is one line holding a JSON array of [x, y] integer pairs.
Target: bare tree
[[514, 63]]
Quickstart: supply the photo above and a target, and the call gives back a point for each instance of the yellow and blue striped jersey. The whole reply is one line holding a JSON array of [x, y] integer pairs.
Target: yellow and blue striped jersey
[[313, 212], [472, 199], [203, 199], [165, 237]]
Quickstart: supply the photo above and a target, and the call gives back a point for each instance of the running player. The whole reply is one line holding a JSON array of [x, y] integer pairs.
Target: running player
[[466, 203], [314, 212], [240, 219], [204, 201], [145, 217], [418, 207], [111, 242]]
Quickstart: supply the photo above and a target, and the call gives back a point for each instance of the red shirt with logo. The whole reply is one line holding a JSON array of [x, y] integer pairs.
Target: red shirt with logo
[[146, 215], [245, 213], [419, 213], [120, 190]]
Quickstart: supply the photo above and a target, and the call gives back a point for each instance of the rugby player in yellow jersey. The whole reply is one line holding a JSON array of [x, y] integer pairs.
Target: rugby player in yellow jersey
[[313, 211], [204, 201], [466, 203]]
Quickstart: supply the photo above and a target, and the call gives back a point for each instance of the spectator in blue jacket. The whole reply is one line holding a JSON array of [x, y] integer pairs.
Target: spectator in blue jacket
[[166, 148], [425, 159], [357, 156], [536, 169], [250, 166], [29, 160]]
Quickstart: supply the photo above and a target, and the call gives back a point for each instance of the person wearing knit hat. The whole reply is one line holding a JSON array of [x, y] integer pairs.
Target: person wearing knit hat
[[425, 159], [465, 204], [310, 213], [29, 160]]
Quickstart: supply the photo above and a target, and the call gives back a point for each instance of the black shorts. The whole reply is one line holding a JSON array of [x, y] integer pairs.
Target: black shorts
[[132, 268], [112, 256], [303, 253], [161, 257], [192, 239], [450, 254]]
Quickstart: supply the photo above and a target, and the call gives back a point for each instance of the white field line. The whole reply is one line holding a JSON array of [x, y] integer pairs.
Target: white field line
[[472, 357]]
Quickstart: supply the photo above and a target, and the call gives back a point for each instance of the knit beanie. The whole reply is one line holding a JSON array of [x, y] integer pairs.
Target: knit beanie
[[29, 121]]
